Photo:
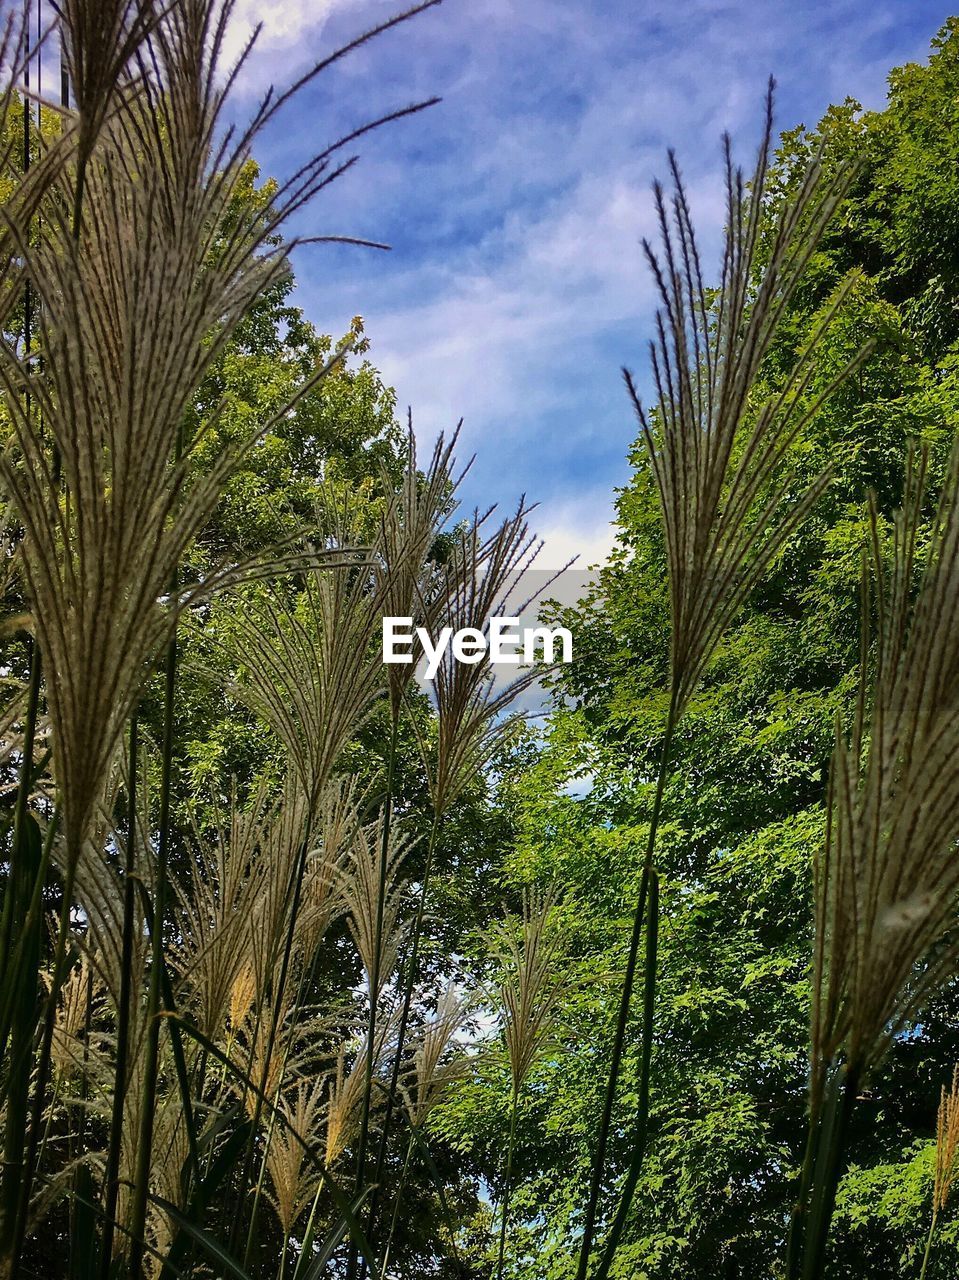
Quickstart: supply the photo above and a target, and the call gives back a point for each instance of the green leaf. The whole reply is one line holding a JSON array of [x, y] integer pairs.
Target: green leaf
[[214, 1250]]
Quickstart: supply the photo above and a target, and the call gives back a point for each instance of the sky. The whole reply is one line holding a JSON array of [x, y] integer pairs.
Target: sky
[[515, 288]]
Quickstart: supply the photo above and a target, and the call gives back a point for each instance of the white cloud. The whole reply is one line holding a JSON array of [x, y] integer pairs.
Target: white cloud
[[529, 329], [533, 178], [288, 40], [582, 529]]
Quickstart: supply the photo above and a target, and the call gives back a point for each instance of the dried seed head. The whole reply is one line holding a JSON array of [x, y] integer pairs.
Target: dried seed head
[[947, 1143], [438, 1062], [242, 995], [344, 1103], [717, 458], [472, 719], [415, 512], [888, 877], [294, 1177], [373, 895], [532, 982], [79, 996]]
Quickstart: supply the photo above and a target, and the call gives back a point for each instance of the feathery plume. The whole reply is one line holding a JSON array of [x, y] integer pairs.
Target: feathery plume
[[373, 908], [295, 1178], [887, 877], [437, 1062], [947, 1159], [718, 458]]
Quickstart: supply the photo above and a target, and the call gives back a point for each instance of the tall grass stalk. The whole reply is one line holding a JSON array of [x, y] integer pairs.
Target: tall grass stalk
[[721, 459], [437, 1063], [472, 719], [650, 918], [111, 1186], [531, 984], [148, 260], [886, 876], [151, 1065], [947, 1159], [409, 530], [20, 977]]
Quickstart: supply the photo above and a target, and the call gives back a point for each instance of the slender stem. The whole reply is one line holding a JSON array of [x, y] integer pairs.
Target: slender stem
[[43, 1064], [308, 1234], [7, 928], [507, 1183], [72, 853], [261, 1178], [928, 1249], [798, 1217], [22, 1031], [396, 1206], [840, 1100], [375, 976], [641, 1129], [35, 673], [622, 1020], [413, 965], [82, 1241], [151, 1065], [10, 925], [111, 1178], [276, 1011]]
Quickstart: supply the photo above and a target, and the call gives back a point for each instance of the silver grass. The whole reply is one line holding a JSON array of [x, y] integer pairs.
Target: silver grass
[[74, 1008], [414, 587], [438, 1060], [321, 899], [101, 40], [947, 1159], [344, 1103], [293, 1177], [413, 517], [215, 909], [138, 294], [720, 457], [374, 901], [98, 891], [532, 979], [947, 1143], [297, 1049], [347, 1085], [484, 572], [532, 982], [312, 668], [887, 879]]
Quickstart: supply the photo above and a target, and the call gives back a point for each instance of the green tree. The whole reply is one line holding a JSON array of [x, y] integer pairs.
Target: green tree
[[743, 811]]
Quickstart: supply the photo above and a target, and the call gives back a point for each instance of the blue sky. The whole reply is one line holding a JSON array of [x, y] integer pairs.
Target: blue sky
[[515, 289]]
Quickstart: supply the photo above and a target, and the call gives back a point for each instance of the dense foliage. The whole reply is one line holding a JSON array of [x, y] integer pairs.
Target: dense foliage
[[331, 962]]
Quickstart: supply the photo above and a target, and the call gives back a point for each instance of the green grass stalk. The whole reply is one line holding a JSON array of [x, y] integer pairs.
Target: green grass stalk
[[111, 1184], [138, 1209], [412, 967], [507, 1183], [375, 976], [622, 1020]]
